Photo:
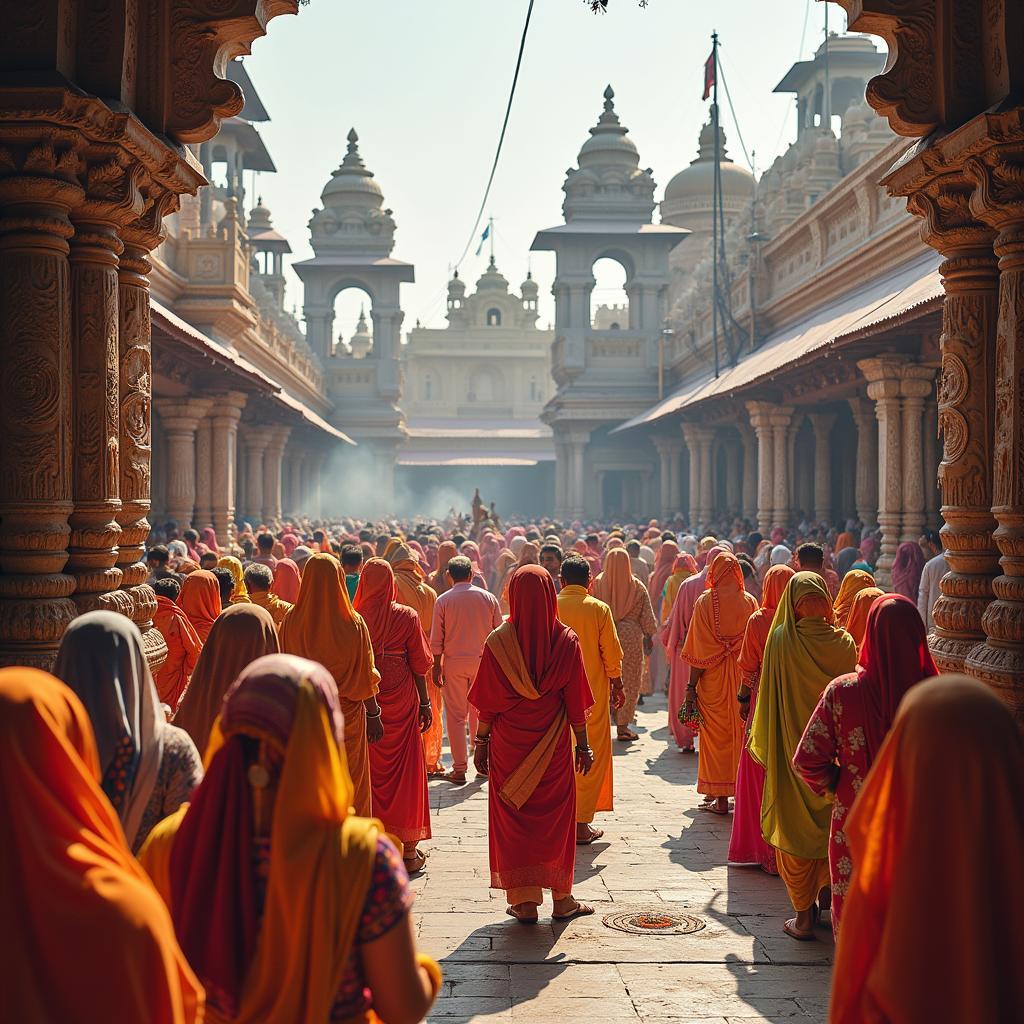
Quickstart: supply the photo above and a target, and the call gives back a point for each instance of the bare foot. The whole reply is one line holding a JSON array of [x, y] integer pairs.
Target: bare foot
[[585, 834]]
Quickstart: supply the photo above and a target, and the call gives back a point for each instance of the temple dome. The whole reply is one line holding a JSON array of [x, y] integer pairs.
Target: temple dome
[[352, 184], [529, 289], [492, 279], [609, 142], [259, 217], [697, 180], [456, 287]]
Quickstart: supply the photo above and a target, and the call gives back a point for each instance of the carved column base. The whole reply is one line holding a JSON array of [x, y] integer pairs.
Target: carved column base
[[889, 522]]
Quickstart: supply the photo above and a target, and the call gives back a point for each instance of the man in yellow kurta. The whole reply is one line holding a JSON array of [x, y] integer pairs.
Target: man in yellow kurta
[[592, 622]]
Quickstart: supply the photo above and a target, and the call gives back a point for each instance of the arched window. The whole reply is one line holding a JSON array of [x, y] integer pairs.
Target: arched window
[[494, 318]]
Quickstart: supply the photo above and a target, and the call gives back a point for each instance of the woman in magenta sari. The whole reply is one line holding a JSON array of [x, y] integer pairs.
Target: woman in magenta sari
[[401, 654], [531, 687], [747, 845], [673, 636], [846, 729]]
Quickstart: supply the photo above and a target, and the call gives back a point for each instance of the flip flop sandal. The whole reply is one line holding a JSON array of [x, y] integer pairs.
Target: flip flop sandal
[[517, 917], [793, 933], [628, 737], [416, 864], [582, 910], [595, 834]]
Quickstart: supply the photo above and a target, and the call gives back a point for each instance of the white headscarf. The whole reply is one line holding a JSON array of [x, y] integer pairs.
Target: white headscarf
[[101, 658], [781, 555]]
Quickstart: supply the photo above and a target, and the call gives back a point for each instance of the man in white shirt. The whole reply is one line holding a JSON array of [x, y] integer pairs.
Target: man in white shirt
[[928, 592]]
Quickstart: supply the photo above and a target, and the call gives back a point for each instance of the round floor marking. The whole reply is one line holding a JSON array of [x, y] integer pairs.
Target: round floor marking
[[654, 921]]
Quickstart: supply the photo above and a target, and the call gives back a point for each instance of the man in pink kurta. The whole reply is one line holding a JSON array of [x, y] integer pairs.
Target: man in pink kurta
[[463, 618], [673, 636]]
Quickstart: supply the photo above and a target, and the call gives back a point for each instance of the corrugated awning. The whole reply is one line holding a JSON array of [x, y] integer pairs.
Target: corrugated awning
[[173, 325], [861, 312]]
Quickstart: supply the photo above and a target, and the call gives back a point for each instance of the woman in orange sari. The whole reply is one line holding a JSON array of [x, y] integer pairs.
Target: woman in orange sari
[[857, 619], [240, 635], [439, 582], [414, 593], [712, 649], [323, 627], [746, 844], [853, 583], [200, 600], [635, 625], [918, 864], [288, 906], [85, 935], [402, 656]]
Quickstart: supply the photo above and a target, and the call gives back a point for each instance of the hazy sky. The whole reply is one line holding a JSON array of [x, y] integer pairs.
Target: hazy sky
[[425, 83]]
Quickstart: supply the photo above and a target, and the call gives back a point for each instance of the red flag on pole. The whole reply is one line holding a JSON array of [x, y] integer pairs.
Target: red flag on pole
[[709, 75]]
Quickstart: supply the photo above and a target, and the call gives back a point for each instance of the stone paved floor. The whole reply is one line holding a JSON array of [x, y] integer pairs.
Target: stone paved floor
[[658, 849]]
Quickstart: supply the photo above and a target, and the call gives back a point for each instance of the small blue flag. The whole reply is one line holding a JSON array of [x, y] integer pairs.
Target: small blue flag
[[483, 238]]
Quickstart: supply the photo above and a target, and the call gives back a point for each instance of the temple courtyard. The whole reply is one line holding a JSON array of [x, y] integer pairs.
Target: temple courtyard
[[659, 854]]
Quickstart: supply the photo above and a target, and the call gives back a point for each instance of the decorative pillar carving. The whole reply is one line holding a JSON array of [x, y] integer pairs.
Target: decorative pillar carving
[[822, 423], [35, 403], [915, 387], [781, 418], [970, 277], [204, 473], [256, 440], [180, 418], [94, 252], [998, 199], [883, 376], [866, 486], [272, 473], [227, 410], [760, 420], [931, 464]]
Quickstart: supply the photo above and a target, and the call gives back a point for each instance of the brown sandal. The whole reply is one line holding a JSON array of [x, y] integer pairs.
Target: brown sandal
[[580, 910]]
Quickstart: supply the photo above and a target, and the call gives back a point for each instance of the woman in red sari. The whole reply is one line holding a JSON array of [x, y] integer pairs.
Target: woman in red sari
[[846, 729], [200, 601], [747, 845], [530, 688], [402, 655]]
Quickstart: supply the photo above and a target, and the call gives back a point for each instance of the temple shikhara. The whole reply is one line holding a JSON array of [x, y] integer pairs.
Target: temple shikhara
[[343, 635]]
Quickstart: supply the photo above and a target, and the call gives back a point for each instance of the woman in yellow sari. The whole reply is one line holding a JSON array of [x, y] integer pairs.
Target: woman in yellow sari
[[289, 907], [85, 936], [240, 595], [853, 583], [712, 650], [804, 653], [323, 627]]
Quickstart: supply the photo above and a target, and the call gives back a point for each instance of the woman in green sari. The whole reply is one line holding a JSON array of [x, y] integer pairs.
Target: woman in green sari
[[804, 653]]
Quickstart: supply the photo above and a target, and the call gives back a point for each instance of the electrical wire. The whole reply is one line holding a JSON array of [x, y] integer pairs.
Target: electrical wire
[[735, 119], [501, 138]]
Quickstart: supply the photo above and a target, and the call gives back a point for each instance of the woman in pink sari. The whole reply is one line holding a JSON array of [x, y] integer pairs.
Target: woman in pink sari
[[747, 845], [286, 580], [673, 636]]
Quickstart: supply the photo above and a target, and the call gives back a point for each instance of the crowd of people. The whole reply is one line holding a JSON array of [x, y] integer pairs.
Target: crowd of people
[[241, 826]]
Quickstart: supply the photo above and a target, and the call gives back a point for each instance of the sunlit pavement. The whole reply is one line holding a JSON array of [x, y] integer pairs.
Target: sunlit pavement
[[658, 851]]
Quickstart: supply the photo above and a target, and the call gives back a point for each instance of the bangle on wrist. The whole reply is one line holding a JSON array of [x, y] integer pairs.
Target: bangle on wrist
[[368, 715], [483, 739], [424, 703]]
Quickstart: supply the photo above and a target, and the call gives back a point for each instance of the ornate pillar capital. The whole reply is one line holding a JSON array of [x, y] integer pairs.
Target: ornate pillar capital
[[183, 414]]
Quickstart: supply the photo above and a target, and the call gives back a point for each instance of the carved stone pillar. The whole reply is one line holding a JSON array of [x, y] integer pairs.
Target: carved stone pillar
[[35, 407], [705, 441], [576, 440], [748, 498], [204, 473], [180, 418], [561, 479], [733, 476], [915, 388], [822, 423], [966, 388], [998, 199], [781, 419], [224, 417], [866, 486], [931, 463], [255, 440], [95, 533], [760, 420], [884, 386], [272, 473], [669, 450], [691, 434]]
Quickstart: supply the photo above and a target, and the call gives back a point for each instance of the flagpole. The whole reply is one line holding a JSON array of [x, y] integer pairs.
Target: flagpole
[[716, 188], [490, 235]]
